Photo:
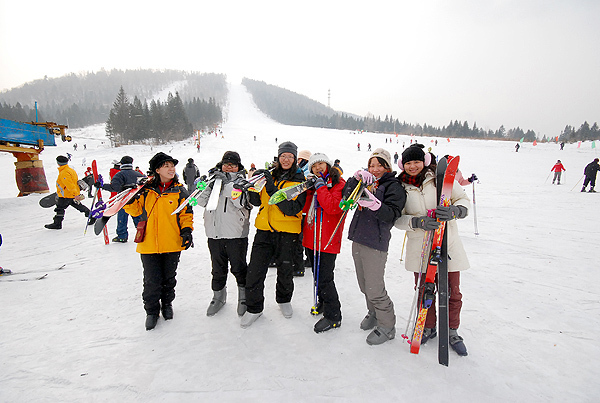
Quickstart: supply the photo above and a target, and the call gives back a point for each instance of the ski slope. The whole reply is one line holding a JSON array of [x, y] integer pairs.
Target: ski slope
[[530, 301]]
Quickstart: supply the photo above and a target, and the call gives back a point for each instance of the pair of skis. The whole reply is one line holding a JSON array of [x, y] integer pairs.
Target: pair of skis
[[103, 211], [435, 258]]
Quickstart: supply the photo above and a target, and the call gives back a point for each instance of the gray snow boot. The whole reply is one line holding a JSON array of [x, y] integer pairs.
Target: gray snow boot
[[369, 322], [457, 344], [380, 335], [241, 308], [219, 299]]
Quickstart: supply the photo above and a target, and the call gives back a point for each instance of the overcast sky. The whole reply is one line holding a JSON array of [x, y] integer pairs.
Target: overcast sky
[[532, 64]]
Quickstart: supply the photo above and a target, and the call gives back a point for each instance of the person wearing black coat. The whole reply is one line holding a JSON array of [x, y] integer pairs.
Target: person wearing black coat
[[590, 172], [370, 233]]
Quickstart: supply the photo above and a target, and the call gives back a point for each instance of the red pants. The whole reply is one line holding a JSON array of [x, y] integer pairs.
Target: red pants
[[454, 301]]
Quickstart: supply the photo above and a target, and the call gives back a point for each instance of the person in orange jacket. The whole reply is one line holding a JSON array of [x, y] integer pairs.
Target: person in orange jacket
[[558, 169], [165, 235], [68, 192]]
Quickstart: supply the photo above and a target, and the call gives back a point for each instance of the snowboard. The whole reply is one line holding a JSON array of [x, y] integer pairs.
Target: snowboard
[[51, 199]]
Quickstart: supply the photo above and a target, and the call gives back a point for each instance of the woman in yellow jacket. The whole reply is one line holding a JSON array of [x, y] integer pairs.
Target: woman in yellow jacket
[[277, 237], [165, 235]]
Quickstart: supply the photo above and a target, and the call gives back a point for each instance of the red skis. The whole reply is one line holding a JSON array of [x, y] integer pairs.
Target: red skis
[[95, 173], [427, 292]]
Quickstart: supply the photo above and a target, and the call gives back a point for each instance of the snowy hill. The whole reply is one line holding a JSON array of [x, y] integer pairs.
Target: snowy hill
[[528, 320]]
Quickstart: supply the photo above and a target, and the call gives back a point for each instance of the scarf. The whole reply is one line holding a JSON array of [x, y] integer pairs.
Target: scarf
[[416, 181]]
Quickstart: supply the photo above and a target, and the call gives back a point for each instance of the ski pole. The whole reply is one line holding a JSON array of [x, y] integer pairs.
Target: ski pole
[[475, 211], [577, 183], [548, 177], [403, 243]]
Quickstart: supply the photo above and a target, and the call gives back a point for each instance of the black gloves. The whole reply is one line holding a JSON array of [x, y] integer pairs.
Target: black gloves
[[98, 184], [425, 223], [270, 185], [473, 178], [186, 237], [448, 213]]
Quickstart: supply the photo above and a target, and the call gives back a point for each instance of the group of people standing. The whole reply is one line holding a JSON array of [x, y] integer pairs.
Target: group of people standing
[[313, 219]]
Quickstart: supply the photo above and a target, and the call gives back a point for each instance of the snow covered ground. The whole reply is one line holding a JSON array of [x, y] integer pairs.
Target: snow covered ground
[[529, 319]]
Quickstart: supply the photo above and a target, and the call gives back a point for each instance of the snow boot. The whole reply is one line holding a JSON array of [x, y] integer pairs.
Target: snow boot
[[325, 324], [57, 224], [428, 334], [119, 240], [241, 308], [286, 309], [249, 318], [456, 342], [219, 299], [380, 335], [591, 190], [369, 322], [151, 321], [317, 310], [167, 311], [583, 189]]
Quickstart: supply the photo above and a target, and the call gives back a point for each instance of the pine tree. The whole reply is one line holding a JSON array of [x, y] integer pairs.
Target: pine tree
[[117, 124]]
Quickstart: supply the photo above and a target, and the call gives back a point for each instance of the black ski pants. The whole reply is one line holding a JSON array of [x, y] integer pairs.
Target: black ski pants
[[224, 251], [61, 205], [160, 270], [326, 292], [269, 246]]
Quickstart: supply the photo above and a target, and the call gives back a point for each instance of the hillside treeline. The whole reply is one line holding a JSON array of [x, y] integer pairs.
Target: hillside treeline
[[290, 108], [173, 120], [79, 100]]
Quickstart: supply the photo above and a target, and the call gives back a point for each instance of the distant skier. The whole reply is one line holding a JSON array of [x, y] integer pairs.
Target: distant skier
[[190, 173], [358, 147], [68, 192], [369, 147], [590, 172], [558, 168], [517, 147], [562, 146], [395, 157]]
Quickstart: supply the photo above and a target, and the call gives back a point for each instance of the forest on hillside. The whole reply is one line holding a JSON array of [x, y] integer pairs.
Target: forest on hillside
[[80, 100], [290, 108]]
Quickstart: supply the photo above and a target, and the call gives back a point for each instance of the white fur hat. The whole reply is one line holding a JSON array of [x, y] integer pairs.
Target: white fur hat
[[318, 157]]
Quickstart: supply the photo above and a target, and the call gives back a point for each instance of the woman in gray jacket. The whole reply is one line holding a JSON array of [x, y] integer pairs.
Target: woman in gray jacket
[[418, 179], [227, 229]]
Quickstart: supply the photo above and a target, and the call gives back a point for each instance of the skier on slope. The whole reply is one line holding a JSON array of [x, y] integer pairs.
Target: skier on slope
[[227, 229], [323, 213], [277, 234], [418, 178], [68, 192], [163, 237], [590, 172], [125, 177], [370, 233], [558, 169]]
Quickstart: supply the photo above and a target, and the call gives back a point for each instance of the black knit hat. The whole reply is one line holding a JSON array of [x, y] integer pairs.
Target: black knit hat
[[159, 159], [287, 147], [413, 153], [231, 157], [62, 160], [126, 160]]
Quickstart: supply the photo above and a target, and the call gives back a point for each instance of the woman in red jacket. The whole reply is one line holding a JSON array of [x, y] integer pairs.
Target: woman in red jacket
[[323, 214]]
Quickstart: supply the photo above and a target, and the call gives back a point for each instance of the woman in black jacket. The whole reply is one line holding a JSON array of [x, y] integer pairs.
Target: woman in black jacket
[[370, 233]]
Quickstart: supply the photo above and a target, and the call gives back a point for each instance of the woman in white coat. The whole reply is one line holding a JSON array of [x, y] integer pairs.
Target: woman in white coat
[[418, 178]]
